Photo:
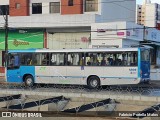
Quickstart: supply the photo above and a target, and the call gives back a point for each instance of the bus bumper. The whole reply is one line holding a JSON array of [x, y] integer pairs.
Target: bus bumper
[[145, 80]]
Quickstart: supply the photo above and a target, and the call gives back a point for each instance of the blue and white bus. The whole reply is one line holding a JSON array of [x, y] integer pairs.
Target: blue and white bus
[[92, 67]]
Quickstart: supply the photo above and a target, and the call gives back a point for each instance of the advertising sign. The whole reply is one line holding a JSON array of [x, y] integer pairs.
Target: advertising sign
[[22, 39]]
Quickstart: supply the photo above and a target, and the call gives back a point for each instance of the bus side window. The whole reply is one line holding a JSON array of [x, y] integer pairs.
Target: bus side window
[[36, 59], [53, 59], [57, 59], [88, 59], [11, 61], [124, 59], [22, 59], [16, 62], [74, 59], [28, 58], [45, 58], [61, 59], [69, 59]]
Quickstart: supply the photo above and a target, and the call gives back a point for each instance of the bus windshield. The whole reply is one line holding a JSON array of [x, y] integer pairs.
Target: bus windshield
[[145, 55]]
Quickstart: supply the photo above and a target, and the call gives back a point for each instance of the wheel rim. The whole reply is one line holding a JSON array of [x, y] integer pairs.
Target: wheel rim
[[94, 83], [29, 81]]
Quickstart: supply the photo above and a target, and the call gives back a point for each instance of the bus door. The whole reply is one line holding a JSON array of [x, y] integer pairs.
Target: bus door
[[145, 64], [13, 68]]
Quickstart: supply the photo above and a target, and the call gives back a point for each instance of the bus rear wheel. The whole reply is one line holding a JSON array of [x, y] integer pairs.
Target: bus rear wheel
[[29, 81], [93, 82]]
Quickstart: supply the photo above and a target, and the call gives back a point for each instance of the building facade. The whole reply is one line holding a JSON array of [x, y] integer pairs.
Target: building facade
[[124, 35], [116, 34], [148, 14], [66, 13], [67, 22]]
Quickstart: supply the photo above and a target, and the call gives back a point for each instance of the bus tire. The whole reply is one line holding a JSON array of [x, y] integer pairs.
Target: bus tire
[[93, 82], [29, 81]]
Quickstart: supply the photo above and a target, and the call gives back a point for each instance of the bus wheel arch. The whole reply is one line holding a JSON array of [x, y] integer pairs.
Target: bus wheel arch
[[93, 81], [28, 80]]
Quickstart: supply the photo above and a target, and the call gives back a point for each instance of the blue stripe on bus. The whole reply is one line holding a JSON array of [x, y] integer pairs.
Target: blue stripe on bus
[[22, 51], [86, 77], [139, 62]]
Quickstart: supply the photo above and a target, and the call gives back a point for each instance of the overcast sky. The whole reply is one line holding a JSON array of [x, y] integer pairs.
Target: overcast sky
[[152, 1]]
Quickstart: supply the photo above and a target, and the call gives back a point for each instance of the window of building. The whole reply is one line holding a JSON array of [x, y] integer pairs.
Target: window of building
[[36, 8], [55, 7], [17, 5], [3, 9], [70, 2], [91, 5]]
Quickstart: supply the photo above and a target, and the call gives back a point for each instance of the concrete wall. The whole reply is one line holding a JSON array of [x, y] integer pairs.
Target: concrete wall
[[129, 43], [77, 7], [4, 2], [53, 21], [150, 15], [118, 11]]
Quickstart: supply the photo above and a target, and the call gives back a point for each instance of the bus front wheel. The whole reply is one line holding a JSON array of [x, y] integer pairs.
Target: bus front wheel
[[93, 82], [29, 80]]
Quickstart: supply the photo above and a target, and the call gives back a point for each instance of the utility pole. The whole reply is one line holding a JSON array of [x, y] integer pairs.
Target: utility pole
[[6, 37], [144, 33]]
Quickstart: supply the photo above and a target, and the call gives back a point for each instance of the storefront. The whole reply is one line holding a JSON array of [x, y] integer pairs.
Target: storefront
[[21, 39], [116, 34], [68, 38], [152, 38]]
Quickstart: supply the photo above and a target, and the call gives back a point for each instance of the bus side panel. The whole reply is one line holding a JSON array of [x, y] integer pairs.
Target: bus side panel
[[120, 75], [145, 67], [114, 75], [27, 70], [50, 74], [75, 75], [16, 75], [13, 76]]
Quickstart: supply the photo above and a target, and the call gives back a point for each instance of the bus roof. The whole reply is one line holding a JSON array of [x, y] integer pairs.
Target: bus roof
[[77, 50]]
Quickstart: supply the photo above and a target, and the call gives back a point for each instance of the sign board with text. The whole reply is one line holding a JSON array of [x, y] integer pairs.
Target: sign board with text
[[22, 38]]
